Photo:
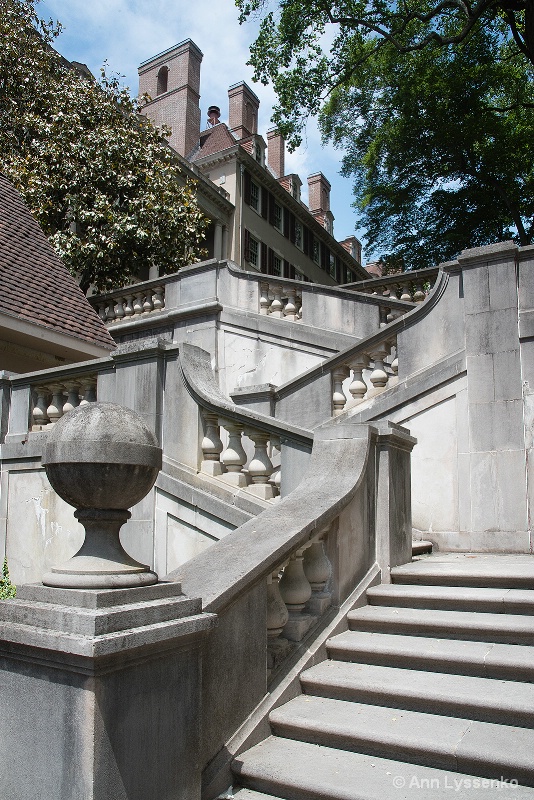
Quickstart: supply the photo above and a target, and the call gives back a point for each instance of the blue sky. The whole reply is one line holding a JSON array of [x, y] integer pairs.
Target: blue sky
[[126, 32]]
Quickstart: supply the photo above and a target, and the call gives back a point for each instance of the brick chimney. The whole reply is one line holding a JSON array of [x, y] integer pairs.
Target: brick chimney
[[276, 152], [353, 246], [172, 79], [243, 110], [319, 200]]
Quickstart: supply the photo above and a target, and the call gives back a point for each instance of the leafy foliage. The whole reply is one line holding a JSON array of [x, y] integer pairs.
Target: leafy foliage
[[98, 177], [7, 590], [437, 136]]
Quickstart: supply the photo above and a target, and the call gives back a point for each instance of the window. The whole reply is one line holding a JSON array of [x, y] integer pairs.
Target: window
[[254, 196], [277, 265], [298, 275], [298, 234], [278, 217], [332, 265], [316, 252], [163, 78], [295, 190], [258, 153], [253, 251]]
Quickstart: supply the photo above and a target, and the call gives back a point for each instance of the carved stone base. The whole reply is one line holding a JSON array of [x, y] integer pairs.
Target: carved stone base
[[236, 479], [277, 650], [262, 490], [297, 626], [318, 603], [212, 468]]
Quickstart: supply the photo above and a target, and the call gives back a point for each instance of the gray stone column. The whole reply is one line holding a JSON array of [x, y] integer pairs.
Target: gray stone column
[[101, 693], [393, 497], [526, 336], [491, 474], [217, 241]]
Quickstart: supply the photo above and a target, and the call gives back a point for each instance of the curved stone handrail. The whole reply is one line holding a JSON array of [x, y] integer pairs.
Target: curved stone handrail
[[200, 382], [336, 470], [389, 331]]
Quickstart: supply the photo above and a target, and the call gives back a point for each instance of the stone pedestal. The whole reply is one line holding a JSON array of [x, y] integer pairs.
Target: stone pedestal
[[101, 693]]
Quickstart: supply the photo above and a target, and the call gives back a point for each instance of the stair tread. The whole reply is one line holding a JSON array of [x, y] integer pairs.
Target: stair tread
[[492, 600], [457, 623], [447, 742], [511, 702], [303, 771], [250, 794], [494, 659], [475, 569]]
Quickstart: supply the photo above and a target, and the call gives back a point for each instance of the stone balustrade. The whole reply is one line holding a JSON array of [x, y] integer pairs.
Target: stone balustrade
[[370, 370], [298, 594], [282, 301], [257, 474], [412, 287], [54, 399], [129, 303]]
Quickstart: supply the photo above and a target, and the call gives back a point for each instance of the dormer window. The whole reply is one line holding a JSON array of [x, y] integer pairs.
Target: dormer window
[[258, 155], [163, 80]]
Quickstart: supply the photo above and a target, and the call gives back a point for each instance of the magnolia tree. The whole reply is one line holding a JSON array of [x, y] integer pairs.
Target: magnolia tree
[[105, 187]]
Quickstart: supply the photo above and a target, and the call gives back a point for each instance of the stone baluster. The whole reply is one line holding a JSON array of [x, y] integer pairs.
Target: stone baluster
[[102, 311], [55, 409], [119, 308], [338, 396], [138, 303], [277, 617], [264, 298], [406, 293], [212, 446], [234, 457], [358, 386], [88, 390], [290, 310], [260, 467], [277, 307], [419, 295], [128, 305], [298, 303], [148, 305], [296, 591], [395, 291], [382, 314], [379, 376], [40, 418], [159, 298], [110, 314], [318, 569], [73, 395]]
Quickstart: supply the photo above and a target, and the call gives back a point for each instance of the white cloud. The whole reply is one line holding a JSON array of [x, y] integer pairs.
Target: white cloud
[[126, 32]]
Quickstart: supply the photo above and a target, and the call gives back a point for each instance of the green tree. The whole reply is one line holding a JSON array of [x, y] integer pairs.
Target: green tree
[[438, 137], [439, 143], [7, 589], [103, 184]]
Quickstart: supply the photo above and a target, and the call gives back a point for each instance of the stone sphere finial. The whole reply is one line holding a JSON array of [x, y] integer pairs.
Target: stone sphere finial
[[102, 459]]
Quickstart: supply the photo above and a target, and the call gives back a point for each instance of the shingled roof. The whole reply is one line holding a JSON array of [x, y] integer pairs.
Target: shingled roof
[[35, 285], [213, 140]]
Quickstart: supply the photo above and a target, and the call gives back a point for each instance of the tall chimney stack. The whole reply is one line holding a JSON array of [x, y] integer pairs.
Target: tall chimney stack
[[276, 152], [243, 110], [319, 200], [172, 80]]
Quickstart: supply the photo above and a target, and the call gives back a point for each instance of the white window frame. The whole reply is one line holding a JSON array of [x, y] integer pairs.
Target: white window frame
[[255, 196], [254, 252]]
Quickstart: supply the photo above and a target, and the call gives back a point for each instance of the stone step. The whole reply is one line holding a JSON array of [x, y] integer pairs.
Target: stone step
[[249, 794], [469, 746], [296, 770], [471, 625], [469, 697], [420, 547], [482, 659], [469, 569], [453, 598]]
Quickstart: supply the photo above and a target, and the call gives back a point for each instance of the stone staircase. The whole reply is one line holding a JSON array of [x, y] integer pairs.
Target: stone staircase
[[427, 694]]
